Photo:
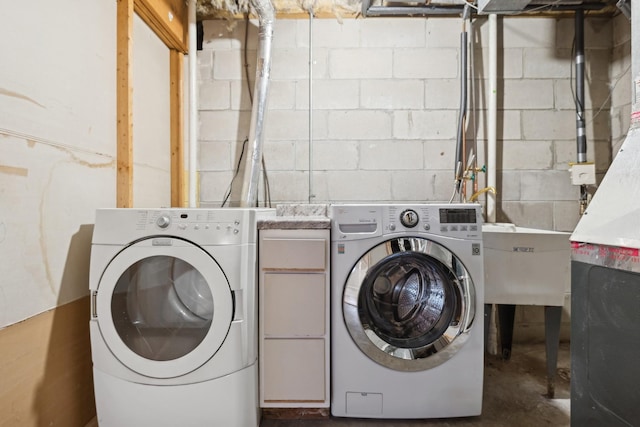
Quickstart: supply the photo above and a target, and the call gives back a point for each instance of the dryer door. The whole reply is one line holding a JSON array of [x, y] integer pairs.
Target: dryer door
[[164, 307], [409, 304]]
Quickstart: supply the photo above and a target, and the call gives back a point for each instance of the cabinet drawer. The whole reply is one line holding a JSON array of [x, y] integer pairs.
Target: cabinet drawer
[[294, 304], [296, 254], [294, 370]]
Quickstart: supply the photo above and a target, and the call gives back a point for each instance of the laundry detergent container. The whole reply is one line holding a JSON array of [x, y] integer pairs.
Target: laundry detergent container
[[525, 266]]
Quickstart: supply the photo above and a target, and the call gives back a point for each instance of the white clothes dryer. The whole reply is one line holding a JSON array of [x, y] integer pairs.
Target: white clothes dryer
[[407, 303], [174, 317]]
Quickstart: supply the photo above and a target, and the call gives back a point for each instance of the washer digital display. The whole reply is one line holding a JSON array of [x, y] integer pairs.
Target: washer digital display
[[458, 216]]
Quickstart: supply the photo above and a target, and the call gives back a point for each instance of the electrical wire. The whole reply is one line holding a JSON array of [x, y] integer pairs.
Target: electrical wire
[[265, 183], [229, 188], [244, 52], [604, 103], [472, 105]]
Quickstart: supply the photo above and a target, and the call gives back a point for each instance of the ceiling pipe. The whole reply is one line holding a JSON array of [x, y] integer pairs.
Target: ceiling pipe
[[369, 10], [266, 17]]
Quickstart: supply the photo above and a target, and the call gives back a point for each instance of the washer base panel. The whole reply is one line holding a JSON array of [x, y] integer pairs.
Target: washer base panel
[[368, 390]]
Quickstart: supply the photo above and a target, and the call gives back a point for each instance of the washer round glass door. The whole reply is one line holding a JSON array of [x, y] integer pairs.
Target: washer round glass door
[[409, 304], [164, 307]]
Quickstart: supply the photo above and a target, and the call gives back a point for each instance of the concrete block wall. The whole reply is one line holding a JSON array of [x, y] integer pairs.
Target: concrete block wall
[[384, 107], [621, 82]]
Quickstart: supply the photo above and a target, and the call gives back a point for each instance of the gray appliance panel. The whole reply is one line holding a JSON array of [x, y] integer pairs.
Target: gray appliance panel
[[605, 346]]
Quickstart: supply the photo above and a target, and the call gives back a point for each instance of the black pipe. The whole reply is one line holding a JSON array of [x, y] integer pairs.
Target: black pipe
[[581, 137], [581, 133]]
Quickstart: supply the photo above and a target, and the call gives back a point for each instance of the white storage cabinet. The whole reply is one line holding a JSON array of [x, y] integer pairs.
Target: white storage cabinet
[[294, 318]]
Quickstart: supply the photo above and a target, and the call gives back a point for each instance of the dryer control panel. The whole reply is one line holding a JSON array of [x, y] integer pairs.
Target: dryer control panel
[[181, 220], [201, 226]]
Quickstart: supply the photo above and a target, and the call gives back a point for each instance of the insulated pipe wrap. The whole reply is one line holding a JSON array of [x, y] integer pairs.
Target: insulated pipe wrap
[[266, 16]]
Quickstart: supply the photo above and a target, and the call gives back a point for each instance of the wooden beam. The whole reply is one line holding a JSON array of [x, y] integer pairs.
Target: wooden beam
[[285, 9], [168, 19], [176, 96], [124, 104]]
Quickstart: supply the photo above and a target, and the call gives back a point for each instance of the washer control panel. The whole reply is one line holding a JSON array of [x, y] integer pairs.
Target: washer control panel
[[353, 222], [456, 220]]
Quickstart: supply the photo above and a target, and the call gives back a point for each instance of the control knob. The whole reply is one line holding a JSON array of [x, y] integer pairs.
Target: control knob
[[163, 221], [409, 218]]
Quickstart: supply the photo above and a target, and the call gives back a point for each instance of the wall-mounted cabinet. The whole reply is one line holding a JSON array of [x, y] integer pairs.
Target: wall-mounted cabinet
[[294, 318]]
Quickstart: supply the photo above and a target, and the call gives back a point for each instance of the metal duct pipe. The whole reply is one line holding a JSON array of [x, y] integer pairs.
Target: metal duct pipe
[[266, 17], [580, 121]]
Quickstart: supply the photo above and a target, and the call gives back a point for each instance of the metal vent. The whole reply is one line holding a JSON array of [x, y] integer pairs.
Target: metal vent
[[502, 6]]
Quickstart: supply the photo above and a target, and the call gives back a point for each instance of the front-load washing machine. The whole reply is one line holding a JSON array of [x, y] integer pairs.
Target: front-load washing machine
[[173, 317], [407, 298]]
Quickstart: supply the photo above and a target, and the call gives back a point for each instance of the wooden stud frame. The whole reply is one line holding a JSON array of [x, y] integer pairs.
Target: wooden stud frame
[[124, 105], [168, 20]]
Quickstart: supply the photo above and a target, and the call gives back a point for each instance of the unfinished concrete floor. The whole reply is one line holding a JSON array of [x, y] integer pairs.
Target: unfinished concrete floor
[[514, 395]]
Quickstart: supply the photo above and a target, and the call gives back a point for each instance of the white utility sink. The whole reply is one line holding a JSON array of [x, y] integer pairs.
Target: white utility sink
[[525, 266]]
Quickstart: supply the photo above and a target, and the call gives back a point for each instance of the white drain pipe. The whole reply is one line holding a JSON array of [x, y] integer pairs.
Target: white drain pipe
[[193, 107], [492, 116], [491, 153], [266, 17]]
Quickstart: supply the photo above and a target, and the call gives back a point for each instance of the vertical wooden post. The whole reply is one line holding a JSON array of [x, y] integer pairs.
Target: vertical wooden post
[[176, 72], [124, 103]]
